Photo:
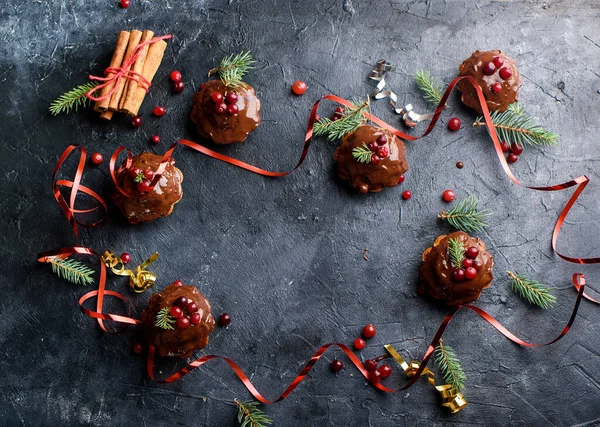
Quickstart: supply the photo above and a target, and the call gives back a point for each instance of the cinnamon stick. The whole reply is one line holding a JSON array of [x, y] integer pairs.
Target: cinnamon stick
[[127, 100], [134, 40], [115, 62], [106, 115]]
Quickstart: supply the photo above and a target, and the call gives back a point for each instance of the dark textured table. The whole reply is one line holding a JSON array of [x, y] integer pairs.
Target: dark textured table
[[284, 256]]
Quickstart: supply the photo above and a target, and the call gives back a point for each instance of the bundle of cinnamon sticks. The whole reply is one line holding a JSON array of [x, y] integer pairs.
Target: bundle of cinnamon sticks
[[129, 94]]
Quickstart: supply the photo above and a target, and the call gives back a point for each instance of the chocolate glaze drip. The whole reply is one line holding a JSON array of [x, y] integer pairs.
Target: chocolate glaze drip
[[177, 342], [157, 203], [495, 101], [435, 277], [366, 177], [225, 128]]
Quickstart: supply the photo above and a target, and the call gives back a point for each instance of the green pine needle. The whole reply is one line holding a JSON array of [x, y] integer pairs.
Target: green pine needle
[[456, 250], [429, 87], [250, 416], [531, 291], [164, 320], [233, 68], [465, 216], [352, 117], [448, 363], [72, 99], [362, 154], [72, 270], [515, 126]]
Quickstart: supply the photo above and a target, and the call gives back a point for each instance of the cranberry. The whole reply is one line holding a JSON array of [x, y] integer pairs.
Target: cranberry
[[458, 275], [497, 87], [373, 146], [159, 111], [406, 195], [448, 196], [454, 124], [176, 312], [383, 152], [178, 87], [299, 87], [516, 148], [148, 173], [192, 307], [125, 257], [155, 139], [472, 252], [375, 376], [224, 319], [183, 322], [178, 283], [401, 179], [512, 158], [216, 97], [144, 186], [339, 110], [470, 273], [96, 158], [375, 159], [175, 76], [381, 140], [467, 262], [505, 73], [369, 331], [336, 365], [221, 108], [498, 61], [460, 165], [181, 302], [124, 4], [488, 68], [477, 264], [137, 348], [385, 370], [232, 109], [195, 318], [136, 121], [134, 172], [370, 365], [359, 343], [505, 146], [231, 98]]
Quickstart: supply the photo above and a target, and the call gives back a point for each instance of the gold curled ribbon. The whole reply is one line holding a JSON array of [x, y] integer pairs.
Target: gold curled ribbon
[[451, 397], [140, 279]]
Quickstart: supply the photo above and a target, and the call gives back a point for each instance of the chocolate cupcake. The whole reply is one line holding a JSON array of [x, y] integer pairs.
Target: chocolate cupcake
[[371, 158], [497, 75], [141, 202], [452, 284], [177, 321]]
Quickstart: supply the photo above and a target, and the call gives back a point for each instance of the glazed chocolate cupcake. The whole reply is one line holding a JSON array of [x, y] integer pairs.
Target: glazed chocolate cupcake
[[142, 202], [178, 321], [382, 162], [452, 284], [497, 75]]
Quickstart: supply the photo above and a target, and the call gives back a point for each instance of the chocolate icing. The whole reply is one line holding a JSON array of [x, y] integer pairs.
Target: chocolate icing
[[177, 342], [473, 65], [225, 128], [366, 177], [435, 277], [159, 202]]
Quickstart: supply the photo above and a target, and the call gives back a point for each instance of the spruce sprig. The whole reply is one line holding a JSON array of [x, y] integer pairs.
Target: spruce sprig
[[233, 68], [164, 320], [352, 117], [531, 291], [429, 87], [515, 126], [72, 270], [456, 250], [362, 154], [448, 363], [465, 216], [72, 99], [250, 416]]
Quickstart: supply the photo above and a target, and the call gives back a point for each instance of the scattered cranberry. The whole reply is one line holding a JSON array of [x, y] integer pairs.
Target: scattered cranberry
[[124, 4], [96, 158], [181, 302], [336, 365], [159, 111], [505, 73], [359, 343], [175, 76], [467, 262], [369, 331], [458, 275], [470, 273], [406, 195], [134, 172], [221, 108], [231, 98], [381, 140], [373, 146], [375, 159], [176, 312], [497, 87], [498, 61], [155, 139], [178, 283], [192, 307], [136, 121], [195, 318], [401, 179], [178, 87], [125, 257], [148, 173], [505, 146], [370, 365], [448, 196], [375, 376], [232, 109], [224, 319], [516, 148], [216, 97], [339, 111], [477, 264], [385, 370], [144, 186], [454, 124], [383, 152], [299, 87], [472, 252], [512, 158], [137, 348], [488, 68], [183, 322]]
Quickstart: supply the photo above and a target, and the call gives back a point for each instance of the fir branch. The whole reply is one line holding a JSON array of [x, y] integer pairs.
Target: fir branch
[[448, 363], [362, 154], [465, 216], [531, 291], [352, 117], [456, 250], [250, 416], [429, 87], [233, 68], [515, 126], [164, 320], [72, 99], [72, 270]]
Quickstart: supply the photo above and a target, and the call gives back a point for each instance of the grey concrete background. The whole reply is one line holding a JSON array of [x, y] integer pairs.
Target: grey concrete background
[[284, 256]]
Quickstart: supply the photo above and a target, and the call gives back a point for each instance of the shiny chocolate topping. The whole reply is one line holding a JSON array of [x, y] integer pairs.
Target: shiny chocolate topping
[[366, 177], [225, 128], [474, 66], [143, 207], [435, 277], [177, 342]]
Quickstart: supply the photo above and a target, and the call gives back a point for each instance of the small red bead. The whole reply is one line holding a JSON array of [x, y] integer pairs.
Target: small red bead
[[497, 87], [136, 121], [512, 158], [176, 312], [373, 146], [477, 264], [401, 179], [505, 146], [148, 173], [498, 61], [472, 252], [406, 195], [183, 322], [195, 318], [232, 109], [181, 302], [178, 283], [125, 257], [175, 76], [467, 262], [370, 365], [192, 307], [381, 140], [470, 273], [505, 73], [178, 87], [375, 376], [96, 158], [454, 124], [383, 152], [231, 98], [488, 68], [224, 319], [159, 111], [216, 97], [221, 108], [155, 139], [375, 159], [299, 87], [448, 196], [137, 348], [134, 172], [359, 343], [516, 148], [336, 365], [458, 275], [144, 186], [385, 370], [369, 331], [124, 4]]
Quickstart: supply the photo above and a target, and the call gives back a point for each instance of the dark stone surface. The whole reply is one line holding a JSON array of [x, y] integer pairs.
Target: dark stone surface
[[284, 256]]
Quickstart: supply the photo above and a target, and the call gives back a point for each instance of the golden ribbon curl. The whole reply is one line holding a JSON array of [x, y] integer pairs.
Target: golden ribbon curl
[[140, 279], [451, 397]]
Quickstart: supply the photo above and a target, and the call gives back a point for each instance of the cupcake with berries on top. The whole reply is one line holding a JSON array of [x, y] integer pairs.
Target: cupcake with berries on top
[[226, 110]]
